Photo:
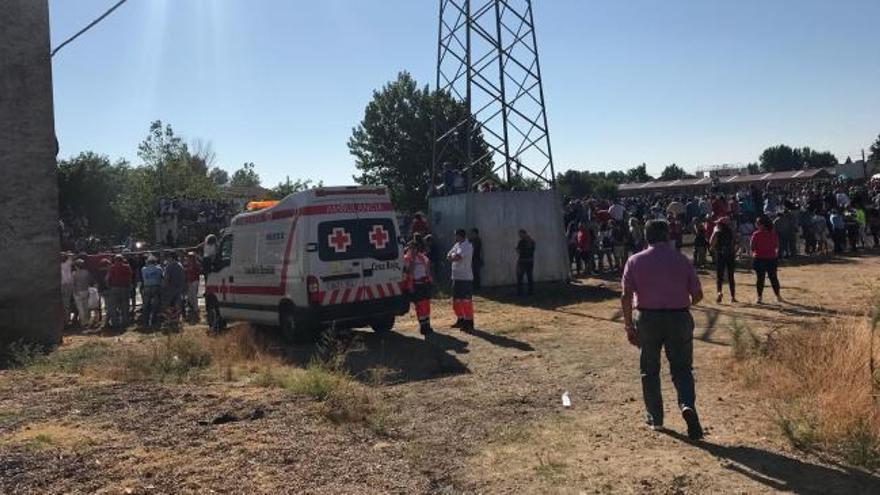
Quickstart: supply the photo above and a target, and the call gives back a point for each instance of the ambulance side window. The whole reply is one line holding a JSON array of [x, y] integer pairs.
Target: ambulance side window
[[225, 251]]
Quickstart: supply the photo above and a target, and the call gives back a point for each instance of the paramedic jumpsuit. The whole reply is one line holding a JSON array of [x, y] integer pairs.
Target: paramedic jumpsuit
[[417, 272]]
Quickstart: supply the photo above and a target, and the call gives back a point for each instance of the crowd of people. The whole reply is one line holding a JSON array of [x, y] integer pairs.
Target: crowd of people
[[153, 289], [810, 219], [195, 218], [75, 234]]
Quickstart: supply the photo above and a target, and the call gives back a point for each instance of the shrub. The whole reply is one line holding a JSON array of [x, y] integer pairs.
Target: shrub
[[820, 384], [315, 381], [745, 342], [79, 358], [343, 400], [174, 357], [21, 354]]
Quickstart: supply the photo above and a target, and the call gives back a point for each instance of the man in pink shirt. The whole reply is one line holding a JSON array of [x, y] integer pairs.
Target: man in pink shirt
[[662, 285]]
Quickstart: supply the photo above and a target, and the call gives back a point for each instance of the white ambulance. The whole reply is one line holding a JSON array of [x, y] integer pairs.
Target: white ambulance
[[329, 255]]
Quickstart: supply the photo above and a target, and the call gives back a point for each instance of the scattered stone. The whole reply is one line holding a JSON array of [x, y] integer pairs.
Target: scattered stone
[[224, 418]]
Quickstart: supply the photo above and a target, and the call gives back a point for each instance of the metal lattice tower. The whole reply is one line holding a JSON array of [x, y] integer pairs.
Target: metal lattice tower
[[487, 57]]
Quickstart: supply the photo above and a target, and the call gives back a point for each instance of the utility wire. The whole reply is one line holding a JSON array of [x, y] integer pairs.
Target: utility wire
[[89, 26]]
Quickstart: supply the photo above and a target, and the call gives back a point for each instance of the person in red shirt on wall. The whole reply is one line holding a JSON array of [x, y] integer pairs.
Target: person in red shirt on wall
[[119, 284], [420, 225], [417, 282], [765, 252]]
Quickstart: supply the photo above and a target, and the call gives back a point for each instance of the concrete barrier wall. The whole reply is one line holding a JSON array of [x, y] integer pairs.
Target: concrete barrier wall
[[498, 216], [30, 294]]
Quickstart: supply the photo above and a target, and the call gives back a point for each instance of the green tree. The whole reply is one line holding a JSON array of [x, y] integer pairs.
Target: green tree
[[246, 176], [162, 146], [782, 158], [605, 189], [393, 144], [202, 157], [218, 176], [639, 174], [753, 168], [616, 176], [674, 172], [574, 183], [582, 184], [816, 159], [286, 188], [89, 187], [166, 172], [874, 156]]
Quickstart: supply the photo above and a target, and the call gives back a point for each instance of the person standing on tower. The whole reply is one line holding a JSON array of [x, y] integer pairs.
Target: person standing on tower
[[461, 256]]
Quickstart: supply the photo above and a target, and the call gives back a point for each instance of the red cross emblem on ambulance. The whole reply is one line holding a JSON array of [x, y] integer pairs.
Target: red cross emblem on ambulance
[[379, 237], [339, 240]]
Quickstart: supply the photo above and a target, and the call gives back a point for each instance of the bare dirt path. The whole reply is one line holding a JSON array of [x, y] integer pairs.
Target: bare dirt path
[[478, 413]]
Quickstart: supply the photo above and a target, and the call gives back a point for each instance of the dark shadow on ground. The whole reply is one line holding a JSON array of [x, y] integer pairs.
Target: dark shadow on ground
[[782, 473], [837, 259], [501, 340], [403, 358], [617, 317], [554, 295]]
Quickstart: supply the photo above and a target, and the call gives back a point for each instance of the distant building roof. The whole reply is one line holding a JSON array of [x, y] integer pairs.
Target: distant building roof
[[791, 175]]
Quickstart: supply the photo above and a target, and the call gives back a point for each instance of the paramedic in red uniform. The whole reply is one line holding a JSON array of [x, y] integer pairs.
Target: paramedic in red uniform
[[417, 279], [461, 256]]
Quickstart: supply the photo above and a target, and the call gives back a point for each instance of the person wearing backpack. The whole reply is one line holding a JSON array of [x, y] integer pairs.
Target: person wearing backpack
[[723, 246]]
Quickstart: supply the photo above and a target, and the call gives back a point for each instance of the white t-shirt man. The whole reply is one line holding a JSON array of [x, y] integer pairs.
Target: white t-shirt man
[[67, 272], [462, 268], [617, 211]]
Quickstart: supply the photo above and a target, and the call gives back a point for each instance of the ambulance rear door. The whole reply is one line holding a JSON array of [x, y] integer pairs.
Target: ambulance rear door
[[340, 258], [382, 262]]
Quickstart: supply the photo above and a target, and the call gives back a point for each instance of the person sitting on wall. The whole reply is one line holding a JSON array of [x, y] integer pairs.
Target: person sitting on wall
[[420, 225]]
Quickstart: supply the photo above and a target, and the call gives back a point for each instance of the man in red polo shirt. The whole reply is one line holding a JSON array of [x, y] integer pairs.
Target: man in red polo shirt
[[119, 284], [662, 284]]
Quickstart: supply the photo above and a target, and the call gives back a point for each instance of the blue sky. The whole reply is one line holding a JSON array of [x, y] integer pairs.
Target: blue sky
[[281, 83]]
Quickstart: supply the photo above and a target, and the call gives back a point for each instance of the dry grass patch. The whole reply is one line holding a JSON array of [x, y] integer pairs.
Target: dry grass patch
[[820, 384], [343, 400], [240, 354], [191, 355], [45, 436]]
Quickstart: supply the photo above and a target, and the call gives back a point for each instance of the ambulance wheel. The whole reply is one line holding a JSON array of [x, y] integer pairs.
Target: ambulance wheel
[[383, 324], [296, 329], [216, 323]]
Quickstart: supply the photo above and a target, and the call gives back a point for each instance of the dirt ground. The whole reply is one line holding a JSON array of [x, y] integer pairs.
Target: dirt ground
[[474, 413]]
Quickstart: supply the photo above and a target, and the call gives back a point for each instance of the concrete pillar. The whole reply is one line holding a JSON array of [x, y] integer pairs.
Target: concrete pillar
[[30, 294]]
